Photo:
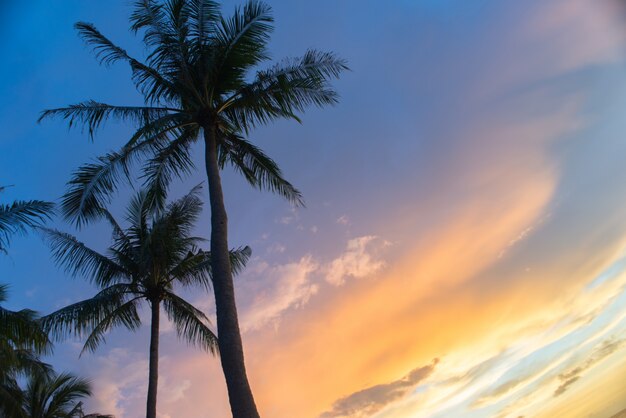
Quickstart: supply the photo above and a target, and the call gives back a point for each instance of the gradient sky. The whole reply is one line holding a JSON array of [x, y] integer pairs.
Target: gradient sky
[[463, 248]]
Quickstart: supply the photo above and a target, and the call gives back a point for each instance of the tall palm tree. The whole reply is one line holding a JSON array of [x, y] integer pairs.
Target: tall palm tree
[[198, 84], [55, 396], [144, 263], [19, 215], [22, 341]]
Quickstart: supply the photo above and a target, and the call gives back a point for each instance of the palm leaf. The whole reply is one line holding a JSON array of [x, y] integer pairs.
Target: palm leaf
[[91, 114], [19, 215], [21, 329], [190, 322], [78, 259], [173, 160], [258, 169], [241, 42], [93, 183], [203, 16], [147, 79], [284, 89], [126, 315], [83, 317]]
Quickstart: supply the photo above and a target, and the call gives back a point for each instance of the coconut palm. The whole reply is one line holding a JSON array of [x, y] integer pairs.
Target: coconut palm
[[55, 396], [144, 263], [22, 341], [198, 85], [19, 215]]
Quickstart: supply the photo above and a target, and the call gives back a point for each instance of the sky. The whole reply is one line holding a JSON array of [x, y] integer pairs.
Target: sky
[[463, 247]]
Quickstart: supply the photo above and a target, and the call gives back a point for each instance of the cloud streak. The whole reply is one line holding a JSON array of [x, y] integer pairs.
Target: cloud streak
[[367, 402], [357, 261], [605, 349]]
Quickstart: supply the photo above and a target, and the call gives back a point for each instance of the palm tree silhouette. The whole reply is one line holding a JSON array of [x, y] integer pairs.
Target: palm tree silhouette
[[22, 341], [144, 263], [55, 396], [197, 85]]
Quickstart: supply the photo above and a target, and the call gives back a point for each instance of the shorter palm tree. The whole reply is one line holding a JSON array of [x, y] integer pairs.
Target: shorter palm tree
[[55, 396], [143, 263], [22, 341], [19, 215]]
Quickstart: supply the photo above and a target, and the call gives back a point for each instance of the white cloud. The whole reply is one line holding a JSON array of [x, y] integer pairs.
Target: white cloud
[[279, 288], [357, 261], [276, 248], [121, 383], [265, 291]]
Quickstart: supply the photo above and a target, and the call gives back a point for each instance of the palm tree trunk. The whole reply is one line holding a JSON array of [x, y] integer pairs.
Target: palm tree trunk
[[153, 376], [229, 337]]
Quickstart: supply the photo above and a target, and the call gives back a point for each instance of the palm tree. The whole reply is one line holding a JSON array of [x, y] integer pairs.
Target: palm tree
[[19, 215], [55, 396], [22, 341], [143, 263], [197, 84]]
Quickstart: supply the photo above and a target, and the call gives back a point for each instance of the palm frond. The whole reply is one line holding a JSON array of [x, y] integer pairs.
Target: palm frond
[[241, 42], [164, 34], [21, 329], [203, 16], [91, 114], [148, 15], [83, 317], [19, 215], [55, 395], [195, 268], [169, 238], [170, 161], [126, 315], [11, 399], [142, 207], [257, 168], [239, 257], [62, 392], [190, 323], [181, 214], [285, 89], [92, 184], [78, 259], [147, 79], [105, 50]]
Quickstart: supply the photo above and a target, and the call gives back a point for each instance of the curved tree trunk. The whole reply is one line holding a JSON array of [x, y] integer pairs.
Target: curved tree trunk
[[229, 337], [153, 376]]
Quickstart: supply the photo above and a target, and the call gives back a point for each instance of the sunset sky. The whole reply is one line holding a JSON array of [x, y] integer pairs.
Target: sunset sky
[[462, 252]]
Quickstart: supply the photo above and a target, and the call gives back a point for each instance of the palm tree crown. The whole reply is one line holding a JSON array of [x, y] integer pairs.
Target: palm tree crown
[[22, 341], [55, 396], [197, 76]]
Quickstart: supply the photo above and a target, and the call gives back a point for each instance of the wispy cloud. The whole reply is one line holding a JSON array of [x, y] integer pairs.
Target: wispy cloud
[[357, 261], [367, 402], [270, 289], [605, 349]]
